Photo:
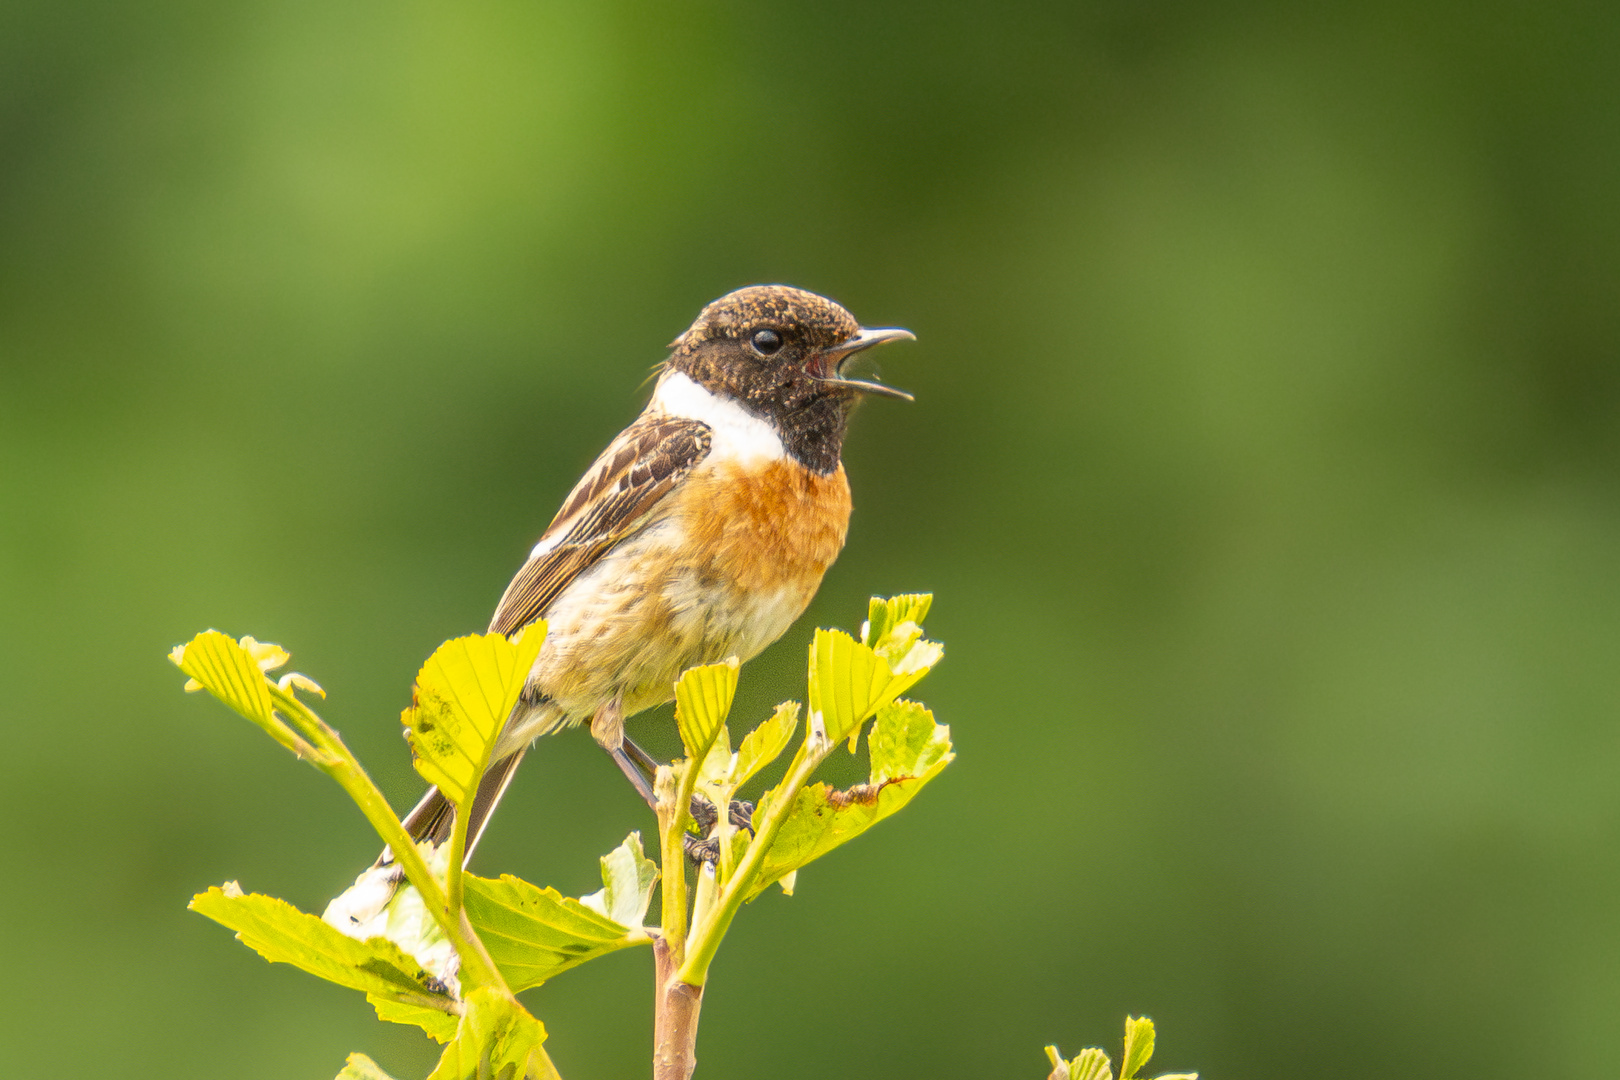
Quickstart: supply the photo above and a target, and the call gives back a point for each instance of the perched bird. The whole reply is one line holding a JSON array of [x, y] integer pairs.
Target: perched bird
[[700, 533]]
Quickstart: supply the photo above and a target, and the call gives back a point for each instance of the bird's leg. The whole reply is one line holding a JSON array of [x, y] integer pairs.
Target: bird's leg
[[607, 728], [634, 775], [640, 768], [647, 763], [703, 815]]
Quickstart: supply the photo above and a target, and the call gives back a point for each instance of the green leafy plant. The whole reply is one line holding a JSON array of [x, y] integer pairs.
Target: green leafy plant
[[448, 951], [1093, 1064]]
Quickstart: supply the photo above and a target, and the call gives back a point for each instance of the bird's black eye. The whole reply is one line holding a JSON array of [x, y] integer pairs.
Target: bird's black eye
[[766, 342]]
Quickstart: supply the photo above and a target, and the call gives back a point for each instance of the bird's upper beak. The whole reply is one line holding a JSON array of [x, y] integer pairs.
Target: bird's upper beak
[[832, 360]]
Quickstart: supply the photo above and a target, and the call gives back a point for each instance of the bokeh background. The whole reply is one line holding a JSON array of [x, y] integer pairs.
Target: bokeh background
[[1263, 462]]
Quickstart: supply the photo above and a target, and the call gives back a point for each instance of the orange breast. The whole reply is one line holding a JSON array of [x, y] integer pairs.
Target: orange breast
[[767, 528]]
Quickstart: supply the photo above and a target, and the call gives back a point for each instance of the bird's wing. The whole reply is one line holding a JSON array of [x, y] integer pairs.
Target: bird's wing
[[611, 501]]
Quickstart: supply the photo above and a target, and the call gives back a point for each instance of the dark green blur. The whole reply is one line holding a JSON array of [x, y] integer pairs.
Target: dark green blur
[[1264, 464]]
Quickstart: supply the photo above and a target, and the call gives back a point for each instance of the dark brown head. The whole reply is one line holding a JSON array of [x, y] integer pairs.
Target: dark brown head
[[780, 353]]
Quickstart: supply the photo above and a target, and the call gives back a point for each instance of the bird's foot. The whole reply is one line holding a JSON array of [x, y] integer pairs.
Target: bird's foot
[[700, 850], [740, 813], [706, 848]]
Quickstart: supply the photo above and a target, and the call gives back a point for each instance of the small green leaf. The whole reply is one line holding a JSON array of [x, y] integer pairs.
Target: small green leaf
[[1091, 1064], [497, 1039], [702, 702], [908, 750], [533, 934], [1138, 1046], [714, 775], [226, 669], [464, 693], [906, 741], [628, 877], [885, 616], [440, 1026], [282, 934], [361, 1067], [765, 743], [848, 681]]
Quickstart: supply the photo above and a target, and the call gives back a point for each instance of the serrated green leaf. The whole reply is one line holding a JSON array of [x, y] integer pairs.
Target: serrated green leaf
[[714, 775], [440, 1026], [848, 681], [905, 741], [497, 1039], [1138, 1046], [533, 934], [464, 693], [361, 1067], [217, 663], [703, 698], [628, 877], [765, 743], [282, 934], [908, 746], [1091, 1064], [884, 616]]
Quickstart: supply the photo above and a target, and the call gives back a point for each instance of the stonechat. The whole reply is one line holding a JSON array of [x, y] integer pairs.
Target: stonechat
[[700, 533]]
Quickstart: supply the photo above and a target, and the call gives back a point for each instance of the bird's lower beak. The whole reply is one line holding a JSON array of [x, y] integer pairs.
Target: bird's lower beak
[[832, 362]]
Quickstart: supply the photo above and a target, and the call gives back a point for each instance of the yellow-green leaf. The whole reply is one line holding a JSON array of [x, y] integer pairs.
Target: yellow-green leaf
[[497, 1039], [218, 664], [886, 620], [765, 743], [628, 877], [440, 1026], [702, 703], [1138, 1046], [361, 1067], [908, 749], [848, 681], [533, 934], [282, 934], [1090, 1064], [464, 694]]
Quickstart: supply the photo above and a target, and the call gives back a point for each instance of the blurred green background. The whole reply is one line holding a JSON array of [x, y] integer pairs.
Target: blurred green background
[[1263, 462]]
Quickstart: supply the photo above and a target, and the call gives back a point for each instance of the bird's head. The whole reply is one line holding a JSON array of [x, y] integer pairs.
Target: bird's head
[[780, 352]]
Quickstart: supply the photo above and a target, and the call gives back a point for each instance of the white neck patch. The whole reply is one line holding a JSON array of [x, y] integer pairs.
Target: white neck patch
[[739, 435]]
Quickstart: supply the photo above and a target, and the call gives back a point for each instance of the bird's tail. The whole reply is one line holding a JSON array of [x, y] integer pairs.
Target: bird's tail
[[434, 815]]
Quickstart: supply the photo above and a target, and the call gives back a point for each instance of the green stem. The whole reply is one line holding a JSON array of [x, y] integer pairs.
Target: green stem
[[703, 894], [673, 820], [707, 934], [453, 875], [336, 760]]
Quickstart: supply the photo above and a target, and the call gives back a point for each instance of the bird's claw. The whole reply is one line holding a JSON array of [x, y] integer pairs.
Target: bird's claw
[[707, 847], [700, 850]]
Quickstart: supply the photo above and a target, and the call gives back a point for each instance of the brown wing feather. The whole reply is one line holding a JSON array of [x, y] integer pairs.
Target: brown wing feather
[[609, 503]]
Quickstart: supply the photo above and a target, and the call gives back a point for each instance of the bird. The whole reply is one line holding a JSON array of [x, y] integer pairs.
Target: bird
[[701, 532]]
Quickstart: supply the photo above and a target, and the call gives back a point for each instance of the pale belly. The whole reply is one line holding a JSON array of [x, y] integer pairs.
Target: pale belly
[[633, 622], [725, 571]]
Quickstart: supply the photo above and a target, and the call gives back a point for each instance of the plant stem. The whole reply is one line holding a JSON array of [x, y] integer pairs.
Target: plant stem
[[336, 760], [675, 1009], [672, 818], [707, 934]]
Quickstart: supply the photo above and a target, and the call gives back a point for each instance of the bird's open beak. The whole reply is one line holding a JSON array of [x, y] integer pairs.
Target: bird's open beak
[[832, 361]]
